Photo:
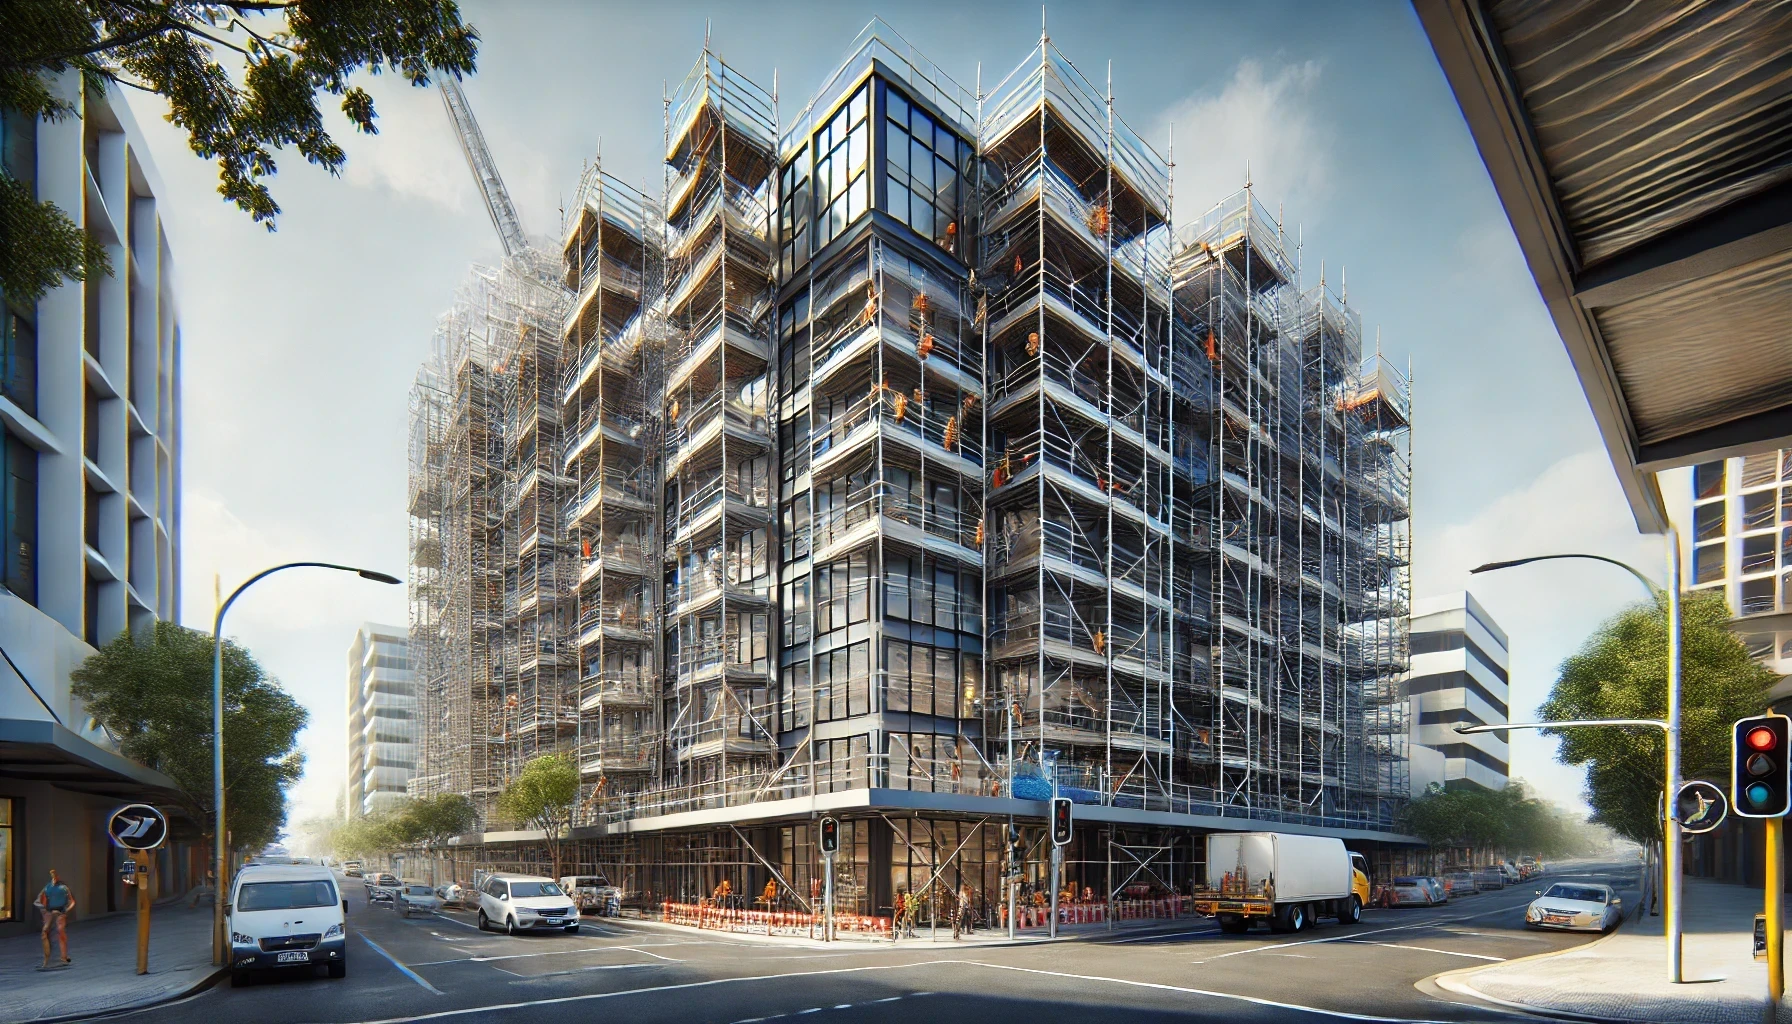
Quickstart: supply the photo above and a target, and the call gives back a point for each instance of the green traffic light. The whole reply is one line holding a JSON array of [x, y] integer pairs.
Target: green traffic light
[[1758, 794]]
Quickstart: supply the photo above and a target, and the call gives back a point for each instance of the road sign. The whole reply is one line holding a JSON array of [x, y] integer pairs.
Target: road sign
[[1700, 807], [138, 827], [1761, 766]]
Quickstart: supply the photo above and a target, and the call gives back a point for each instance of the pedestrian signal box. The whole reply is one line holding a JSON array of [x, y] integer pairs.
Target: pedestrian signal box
[[1060, 821], [1761, 766], [830, 835]]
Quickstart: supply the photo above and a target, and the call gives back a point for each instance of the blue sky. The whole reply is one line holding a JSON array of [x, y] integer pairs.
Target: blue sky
[[300, 345]]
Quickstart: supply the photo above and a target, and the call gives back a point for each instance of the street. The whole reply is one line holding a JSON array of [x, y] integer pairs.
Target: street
[[442, 967]]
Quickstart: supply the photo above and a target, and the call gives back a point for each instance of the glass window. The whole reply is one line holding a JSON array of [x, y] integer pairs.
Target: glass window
[[1756, 596], [1760, 645], [923, 187], [1759, 469], [8, 910], [285, 895], [897, 107], [1757, 553], [1708, 480], [1757, 510], [20, 481], [1708, 563], [18, 357]]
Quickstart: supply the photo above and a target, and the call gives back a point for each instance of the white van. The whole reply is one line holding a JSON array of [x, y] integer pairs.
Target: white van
[[286, 916], [518, 903]]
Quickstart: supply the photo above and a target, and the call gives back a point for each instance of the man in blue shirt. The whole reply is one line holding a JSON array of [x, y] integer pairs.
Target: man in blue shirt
[[56, 902]]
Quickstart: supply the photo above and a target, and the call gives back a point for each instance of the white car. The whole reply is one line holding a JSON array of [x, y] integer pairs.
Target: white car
[[416, 899], [286, 916], [519, 903], [593, 893], [1575, 906]]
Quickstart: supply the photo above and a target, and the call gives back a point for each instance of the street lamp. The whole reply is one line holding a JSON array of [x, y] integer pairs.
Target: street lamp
[[221, 884], [1670, 853]]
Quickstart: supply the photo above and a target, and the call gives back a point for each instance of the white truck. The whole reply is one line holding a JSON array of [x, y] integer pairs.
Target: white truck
[[1290, 881]]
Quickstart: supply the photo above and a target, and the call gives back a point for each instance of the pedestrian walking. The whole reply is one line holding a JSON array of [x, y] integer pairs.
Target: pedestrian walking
[[961, 921], [56, 902]]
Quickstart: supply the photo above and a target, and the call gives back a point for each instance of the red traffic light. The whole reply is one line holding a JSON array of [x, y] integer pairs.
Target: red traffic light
[[1761, 738]]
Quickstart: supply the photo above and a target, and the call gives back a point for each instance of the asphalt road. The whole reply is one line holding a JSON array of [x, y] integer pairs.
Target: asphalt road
[[443, 968]]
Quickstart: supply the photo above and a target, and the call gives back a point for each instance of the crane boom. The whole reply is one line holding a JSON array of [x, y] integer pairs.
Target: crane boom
[[485, 169]]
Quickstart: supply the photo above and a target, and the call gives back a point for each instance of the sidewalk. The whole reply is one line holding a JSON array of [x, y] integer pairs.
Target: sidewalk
[[103, 975], [1623, 977]]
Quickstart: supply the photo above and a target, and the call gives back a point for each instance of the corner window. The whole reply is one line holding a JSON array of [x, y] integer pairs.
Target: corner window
[[842, 184], [1708, 521], [1708, 563], [922, 164]]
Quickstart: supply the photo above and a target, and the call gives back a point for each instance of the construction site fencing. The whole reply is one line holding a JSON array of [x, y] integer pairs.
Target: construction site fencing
[[770, 922]]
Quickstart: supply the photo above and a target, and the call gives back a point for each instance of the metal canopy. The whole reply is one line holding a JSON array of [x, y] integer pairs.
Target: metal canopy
[[1643, 153], [42, 751]]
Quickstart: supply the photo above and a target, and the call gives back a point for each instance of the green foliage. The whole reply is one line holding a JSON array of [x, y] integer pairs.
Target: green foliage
[[41, 244], [427, 822], [282, 55], [1509, 819], [154, 692], [542, 795], [1621, 672]]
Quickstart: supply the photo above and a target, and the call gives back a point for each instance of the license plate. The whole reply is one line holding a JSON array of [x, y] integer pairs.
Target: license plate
[[1556, 919], [296, 956]]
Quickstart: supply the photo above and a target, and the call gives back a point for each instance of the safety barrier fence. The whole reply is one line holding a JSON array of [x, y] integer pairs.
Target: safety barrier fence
[[1097, 913], [770, 922]]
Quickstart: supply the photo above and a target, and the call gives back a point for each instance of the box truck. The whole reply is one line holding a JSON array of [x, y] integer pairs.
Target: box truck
[[1288, 881]]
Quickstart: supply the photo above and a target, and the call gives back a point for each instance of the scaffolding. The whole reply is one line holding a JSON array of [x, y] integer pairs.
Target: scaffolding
[[914, 448], [468, 474]]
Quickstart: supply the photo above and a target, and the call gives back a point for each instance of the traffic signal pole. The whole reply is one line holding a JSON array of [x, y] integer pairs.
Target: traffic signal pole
[[1776, 928], [1671, 851], [1057, 859]]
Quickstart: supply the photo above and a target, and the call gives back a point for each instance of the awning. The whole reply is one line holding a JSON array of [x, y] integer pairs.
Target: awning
[[44, 751], [1643, 153]]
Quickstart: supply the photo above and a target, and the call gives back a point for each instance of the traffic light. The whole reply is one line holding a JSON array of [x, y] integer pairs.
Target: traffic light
[[830, 835], [1060, 821], [1761, 768], [1017, 852]]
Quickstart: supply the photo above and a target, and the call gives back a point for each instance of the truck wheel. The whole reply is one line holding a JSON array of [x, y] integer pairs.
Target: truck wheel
[[1233, 924], [1297, 917], [1353, 911], [1278, 920]]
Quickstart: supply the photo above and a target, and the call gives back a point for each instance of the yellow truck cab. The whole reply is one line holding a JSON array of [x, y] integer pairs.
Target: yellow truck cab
[[1359, 878]]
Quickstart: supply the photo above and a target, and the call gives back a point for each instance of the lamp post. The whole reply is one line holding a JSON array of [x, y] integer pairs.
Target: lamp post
[[221, 885], [1670, 850]]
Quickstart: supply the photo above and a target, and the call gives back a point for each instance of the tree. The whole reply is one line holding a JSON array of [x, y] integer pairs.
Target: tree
[[1621, 672], [542, 795], [154, 692], [282, 53], [1508, 819]]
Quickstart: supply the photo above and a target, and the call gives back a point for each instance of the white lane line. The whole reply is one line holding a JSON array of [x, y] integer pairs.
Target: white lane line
[[886, 999], [495, 1008], [1446, 952], [1354, 935], [575, 970], [456, 920], [643, 952], [1148, 938], [550, 952], [406, 971], [1338, 1014], [1297, 956]]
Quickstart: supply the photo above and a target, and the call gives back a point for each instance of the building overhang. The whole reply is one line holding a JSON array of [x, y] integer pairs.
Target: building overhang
[[42, 751], [907, 802], [1643, 155]]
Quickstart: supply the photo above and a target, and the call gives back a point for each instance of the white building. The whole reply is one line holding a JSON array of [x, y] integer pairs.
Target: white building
[[1458, 677], [382, 702], [90, 488], [1735, 522]]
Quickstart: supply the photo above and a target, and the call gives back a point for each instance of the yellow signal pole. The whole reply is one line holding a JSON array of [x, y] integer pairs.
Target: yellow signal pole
[[1776, 927]]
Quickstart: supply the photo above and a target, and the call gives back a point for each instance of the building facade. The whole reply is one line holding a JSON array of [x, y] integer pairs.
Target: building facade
[[90, 410], [1735, 521], [1459, 676], [922, 468], [382, 704]]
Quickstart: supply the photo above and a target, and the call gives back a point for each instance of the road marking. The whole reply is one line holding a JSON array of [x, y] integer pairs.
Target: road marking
[[406, 971], [456, 920], [1446, 952], [550, 952], [1355, 935], [1339, 1014], [1297, 956], [1148, 938]]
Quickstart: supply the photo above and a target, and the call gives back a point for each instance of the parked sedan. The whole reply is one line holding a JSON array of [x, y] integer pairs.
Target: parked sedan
[[1410, 891], [1491, 879], [416, 899], [1577, 906], [1461, 883]]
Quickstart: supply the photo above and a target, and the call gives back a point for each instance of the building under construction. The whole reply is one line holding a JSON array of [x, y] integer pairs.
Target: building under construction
[[914, 464]]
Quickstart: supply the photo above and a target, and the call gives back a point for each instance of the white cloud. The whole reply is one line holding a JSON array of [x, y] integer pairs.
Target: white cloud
[[415, 155], [1262, 117], [1547, 609]]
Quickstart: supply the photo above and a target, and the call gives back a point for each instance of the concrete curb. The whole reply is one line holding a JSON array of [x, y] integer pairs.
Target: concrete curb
[[204, 982]]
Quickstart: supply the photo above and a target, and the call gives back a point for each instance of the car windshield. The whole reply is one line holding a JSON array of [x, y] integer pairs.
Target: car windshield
[[1576, 892], [590, 880], [520, 889], [285, 895], [419, 890]]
